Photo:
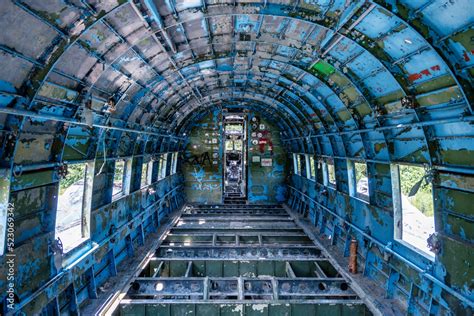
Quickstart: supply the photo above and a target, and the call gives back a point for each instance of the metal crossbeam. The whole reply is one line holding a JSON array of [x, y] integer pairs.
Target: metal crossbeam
[[26, 113], [239, 288], [238, 254]]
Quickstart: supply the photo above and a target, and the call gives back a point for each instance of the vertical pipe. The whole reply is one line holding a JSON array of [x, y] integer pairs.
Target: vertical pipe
[[353, 257]]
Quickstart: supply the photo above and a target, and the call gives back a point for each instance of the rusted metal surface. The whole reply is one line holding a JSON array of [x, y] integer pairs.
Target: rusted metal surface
[[353, 256]]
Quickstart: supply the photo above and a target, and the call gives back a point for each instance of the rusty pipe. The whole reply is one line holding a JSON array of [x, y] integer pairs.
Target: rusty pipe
[[353, 256]]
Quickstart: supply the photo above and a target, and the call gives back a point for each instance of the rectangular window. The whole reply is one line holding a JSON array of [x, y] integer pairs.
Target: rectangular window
[[358, 180], [413, 206], [319, 170], [302, 165], [73, 202], [310, 167], [175, 162], [119, 176], [147, 168], [295, 163], [163, 165], [151, 165], [362, 180], [298, 164], [329, 173], [159, 164]]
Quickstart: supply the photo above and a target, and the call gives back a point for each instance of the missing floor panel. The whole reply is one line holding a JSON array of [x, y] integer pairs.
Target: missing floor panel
[[236, 260]]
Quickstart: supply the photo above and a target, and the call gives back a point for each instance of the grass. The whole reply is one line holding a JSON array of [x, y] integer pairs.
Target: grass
[[423, 201]]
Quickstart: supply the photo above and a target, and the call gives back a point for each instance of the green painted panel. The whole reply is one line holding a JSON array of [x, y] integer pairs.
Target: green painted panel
[[323, 68], [303, 268], [435, 83], [207, 309], [460, 227], [280, 269], [231, 269], [305, 309], [33, 179], [457, 201], [248, 268], [458, 258], [279, 310], [178, 268], [461, 156], [214, 268], [442, 96], [183, 310], [265, 268], [199, 268], [283, 309], [158, 309], [133, 310]]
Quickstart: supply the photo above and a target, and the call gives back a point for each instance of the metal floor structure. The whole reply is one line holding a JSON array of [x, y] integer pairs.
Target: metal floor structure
[[238, 260]]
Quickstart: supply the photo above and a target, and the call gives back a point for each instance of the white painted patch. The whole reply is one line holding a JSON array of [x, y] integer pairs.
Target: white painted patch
[[259, 307], [238, 309]]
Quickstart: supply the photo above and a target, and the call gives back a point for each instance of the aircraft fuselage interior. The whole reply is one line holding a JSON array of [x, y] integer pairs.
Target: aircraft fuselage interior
[[237, 157]]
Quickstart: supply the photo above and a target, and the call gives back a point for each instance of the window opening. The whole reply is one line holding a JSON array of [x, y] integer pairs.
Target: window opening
[[413, 206], [70, 210], [119, 173]]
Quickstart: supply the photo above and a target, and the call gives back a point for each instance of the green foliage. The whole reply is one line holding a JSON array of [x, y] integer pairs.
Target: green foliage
[[423, 200], [312, 167], [410, 175], [75, 173], [331, 173], [144, 174], [118, 172], [361, 170]]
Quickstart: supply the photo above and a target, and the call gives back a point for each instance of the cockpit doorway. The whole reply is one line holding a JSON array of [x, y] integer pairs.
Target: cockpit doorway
[[235, 159]]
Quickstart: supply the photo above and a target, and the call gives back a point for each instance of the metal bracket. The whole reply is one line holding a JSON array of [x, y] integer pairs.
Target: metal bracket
[[434, 243], [63, 171], [17, 171], [56, 246], [430, 174], [387, 251], [112, 231]]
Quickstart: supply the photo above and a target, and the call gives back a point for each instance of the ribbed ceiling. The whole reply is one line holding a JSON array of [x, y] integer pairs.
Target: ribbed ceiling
[[330, 73]]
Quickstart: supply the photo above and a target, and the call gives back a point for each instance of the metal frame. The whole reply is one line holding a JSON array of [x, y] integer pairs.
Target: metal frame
[[169, 277], [424, 273], [66, 277]]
